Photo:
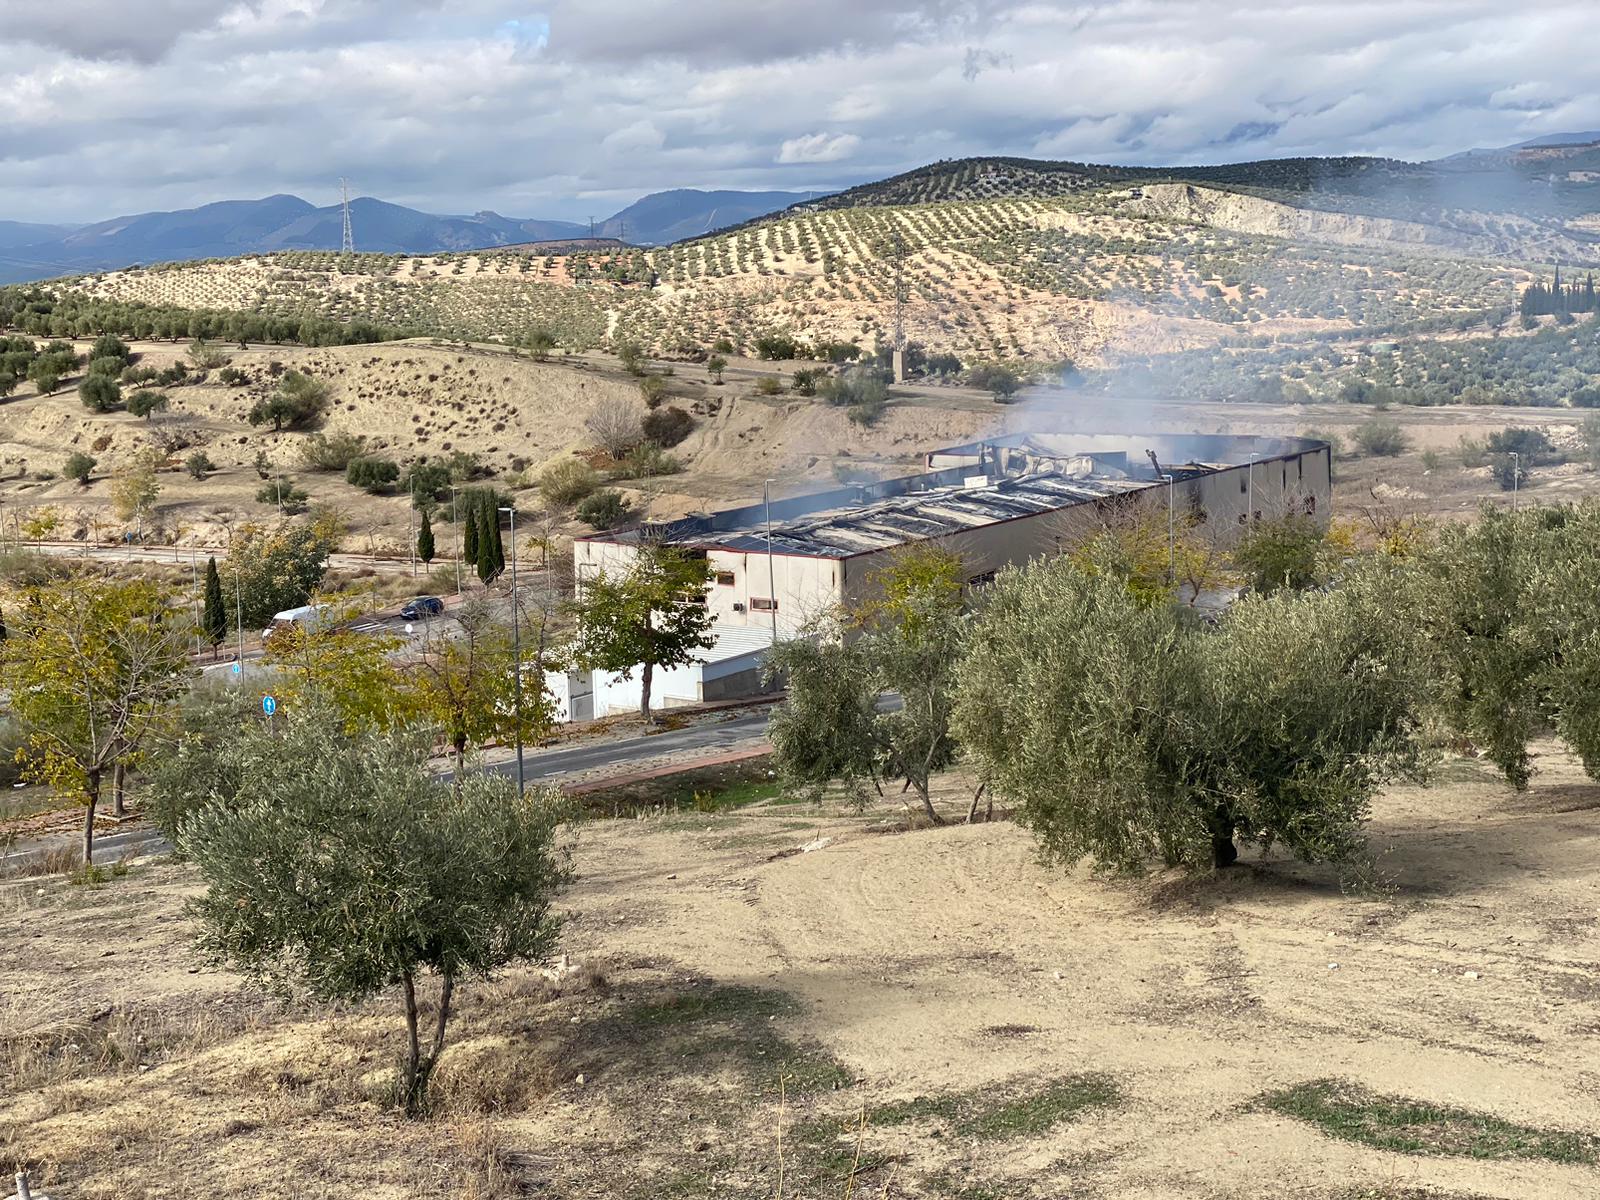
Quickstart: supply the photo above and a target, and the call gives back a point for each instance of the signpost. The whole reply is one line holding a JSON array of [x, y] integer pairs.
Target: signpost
[[269, 705]]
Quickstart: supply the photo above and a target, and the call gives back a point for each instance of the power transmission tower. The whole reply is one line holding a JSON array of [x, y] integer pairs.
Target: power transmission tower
[[349, 242], [898, 249]]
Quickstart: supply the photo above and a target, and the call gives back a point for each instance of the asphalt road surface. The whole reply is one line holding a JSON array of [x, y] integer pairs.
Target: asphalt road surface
[[704, 739]]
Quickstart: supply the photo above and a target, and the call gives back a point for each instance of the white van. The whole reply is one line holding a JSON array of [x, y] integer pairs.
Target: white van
[[308, 618]]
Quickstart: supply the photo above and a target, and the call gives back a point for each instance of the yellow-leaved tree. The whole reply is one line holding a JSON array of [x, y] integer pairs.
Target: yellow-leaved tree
[[91, 667]]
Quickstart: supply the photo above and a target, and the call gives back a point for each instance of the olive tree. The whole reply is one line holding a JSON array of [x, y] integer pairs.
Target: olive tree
[[1490, 648], [339, 867], [1512, 621], [871, 694], [1129, 733]]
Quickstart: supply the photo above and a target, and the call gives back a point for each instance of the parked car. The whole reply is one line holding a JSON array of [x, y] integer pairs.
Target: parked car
[[422, 607]]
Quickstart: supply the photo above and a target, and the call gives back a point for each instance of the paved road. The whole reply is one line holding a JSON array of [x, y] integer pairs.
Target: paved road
[[705, 738], [195, 556]]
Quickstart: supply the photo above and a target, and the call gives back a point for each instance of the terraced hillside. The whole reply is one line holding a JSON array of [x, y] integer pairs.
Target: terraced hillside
[[1086, 276]]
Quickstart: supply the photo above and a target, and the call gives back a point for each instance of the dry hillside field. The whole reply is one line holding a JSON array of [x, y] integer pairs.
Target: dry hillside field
[[782, 1000], [416, 399]]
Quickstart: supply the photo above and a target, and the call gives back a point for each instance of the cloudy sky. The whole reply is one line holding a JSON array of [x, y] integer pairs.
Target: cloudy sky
[[573, 107]]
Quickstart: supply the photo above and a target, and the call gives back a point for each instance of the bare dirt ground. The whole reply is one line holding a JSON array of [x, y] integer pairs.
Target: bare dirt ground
[[1066, 1035]]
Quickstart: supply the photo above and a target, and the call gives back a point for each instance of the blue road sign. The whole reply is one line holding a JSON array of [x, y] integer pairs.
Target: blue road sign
[[236, 668], [269, 705]]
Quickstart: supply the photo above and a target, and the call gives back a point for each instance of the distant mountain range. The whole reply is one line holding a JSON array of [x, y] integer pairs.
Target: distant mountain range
[[234, 227], [1553, 176]]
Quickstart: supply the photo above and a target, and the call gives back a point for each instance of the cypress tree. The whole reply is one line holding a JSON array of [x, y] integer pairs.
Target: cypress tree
[[496, 542], [214, 617], [425, 539], [487, 531], [467, 515]]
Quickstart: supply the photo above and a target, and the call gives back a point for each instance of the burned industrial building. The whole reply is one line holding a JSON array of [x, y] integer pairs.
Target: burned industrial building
[[997, 502]]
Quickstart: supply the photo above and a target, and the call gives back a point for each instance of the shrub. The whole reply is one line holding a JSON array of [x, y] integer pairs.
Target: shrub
[[1531, 445], [109, 367], [283, 494], [330, 451], [605, 509], [645, 460], [199, 465], [667, 426], [654, 390], [567, 481], [133, 376], [867, 413], [862, 387], [205, 356], [79, 466], [1381, 438], [715, 366], [768, 385], [614, 422], [805, 379], [373, 474], [233, 376], [999, 380], [631, 358]]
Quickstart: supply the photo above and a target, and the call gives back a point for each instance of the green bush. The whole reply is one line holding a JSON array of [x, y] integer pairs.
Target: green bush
[[667, 427], [567, 481], [330, 451], [605, 509], [646, 460], [199, 465], [1381, 438], [375, 475]]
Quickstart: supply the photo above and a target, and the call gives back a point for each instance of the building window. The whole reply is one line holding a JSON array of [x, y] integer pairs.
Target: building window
[[981, 579], [1244, 482], [724, 578], [763, 604], [1311, 506]]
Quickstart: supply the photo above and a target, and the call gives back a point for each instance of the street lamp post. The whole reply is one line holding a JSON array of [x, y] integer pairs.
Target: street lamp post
[[455, 516], [516, 648], [1172, 560], [772, 587], [1516, 478], [238, 618]]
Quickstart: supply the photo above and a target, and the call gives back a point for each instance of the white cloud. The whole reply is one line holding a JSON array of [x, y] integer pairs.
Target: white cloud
[[818, 148], [456, 105]]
